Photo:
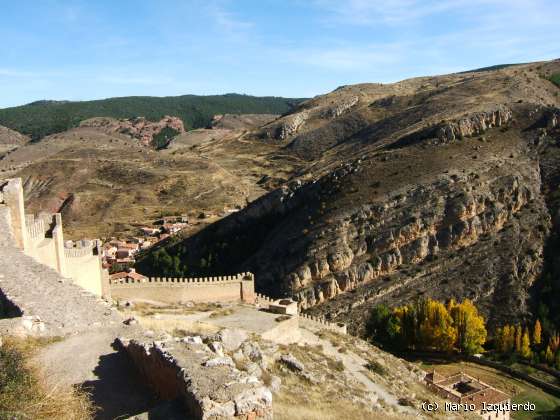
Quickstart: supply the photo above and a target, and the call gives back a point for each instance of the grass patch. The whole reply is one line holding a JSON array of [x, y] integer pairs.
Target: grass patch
[[555, 78], [336, 365], [297, 399], [221, 313], [147, 309], [547, 406], [24, 393]]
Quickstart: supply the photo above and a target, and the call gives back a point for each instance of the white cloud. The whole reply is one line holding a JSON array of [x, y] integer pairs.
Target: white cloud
[[397, 12], [13, 73], [226, 21]]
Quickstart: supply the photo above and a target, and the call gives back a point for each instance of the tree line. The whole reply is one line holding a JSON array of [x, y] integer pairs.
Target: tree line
[[428, 324], [531, 344]]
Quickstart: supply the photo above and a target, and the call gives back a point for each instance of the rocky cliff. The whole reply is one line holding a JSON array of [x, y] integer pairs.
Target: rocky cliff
[[427, 187]]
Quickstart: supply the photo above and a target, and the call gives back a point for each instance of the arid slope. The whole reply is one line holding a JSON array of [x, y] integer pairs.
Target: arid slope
[[427, 187]]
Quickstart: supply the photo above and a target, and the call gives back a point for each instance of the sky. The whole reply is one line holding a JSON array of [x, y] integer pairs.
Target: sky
[[84, 49]]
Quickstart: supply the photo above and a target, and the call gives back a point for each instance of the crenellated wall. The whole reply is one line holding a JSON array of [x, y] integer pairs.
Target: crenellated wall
[[304, 319], [199, 289], [42, 238], [322, 324]]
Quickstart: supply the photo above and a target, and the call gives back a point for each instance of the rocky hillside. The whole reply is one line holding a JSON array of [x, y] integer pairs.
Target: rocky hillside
[[8, 136], [106, 181], [139, 128], [432, 186], [241, 121], [10, 140]]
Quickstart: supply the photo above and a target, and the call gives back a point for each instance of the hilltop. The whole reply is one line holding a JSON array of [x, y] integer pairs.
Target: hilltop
[[42, 118]]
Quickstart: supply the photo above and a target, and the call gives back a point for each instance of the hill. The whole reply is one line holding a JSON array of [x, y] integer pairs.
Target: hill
[[434, 186], [107, 182], [42, 118], [11, 137]]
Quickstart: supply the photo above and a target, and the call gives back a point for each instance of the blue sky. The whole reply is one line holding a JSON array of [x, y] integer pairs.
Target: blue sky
[[79, 50]]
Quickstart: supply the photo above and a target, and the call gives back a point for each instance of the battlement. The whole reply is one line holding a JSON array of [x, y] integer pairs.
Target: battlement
[[35, 228], [322, 323], [176, 289], [42, 238], [164, 281]]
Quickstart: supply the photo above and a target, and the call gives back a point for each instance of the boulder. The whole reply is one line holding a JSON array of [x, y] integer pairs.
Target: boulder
[[290, 361]]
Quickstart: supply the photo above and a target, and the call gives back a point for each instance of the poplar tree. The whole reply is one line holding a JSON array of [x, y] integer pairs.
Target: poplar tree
[[537, 333], [471, 331], [518, 339], [525, 344]]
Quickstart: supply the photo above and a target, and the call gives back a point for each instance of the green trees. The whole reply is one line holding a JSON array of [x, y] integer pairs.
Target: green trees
[[429, 324], [47, 117], [167, 265], [162, 139]]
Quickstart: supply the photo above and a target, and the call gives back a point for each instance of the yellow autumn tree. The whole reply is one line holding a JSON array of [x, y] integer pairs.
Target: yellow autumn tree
[[554, 343], [525, 344], [518, 339], [471, 330], [436, 328], [537, 333], [549, 355], [508, 339]]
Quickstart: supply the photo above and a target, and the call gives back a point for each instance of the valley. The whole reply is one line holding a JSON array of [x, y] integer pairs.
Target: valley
[[429, 187]]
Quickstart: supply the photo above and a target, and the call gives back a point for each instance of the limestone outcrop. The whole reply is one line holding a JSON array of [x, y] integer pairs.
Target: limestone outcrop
[[474, 124], [287, 127], [340, 108]]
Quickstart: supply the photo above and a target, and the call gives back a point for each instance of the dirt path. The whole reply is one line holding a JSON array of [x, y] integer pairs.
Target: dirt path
[[90, 361]]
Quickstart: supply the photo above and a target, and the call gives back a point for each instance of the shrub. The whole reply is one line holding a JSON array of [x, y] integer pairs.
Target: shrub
[[555, 78], [376, 367]]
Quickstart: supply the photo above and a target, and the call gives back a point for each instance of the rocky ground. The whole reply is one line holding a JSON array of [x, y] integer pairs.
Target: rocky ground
[[320, 374]]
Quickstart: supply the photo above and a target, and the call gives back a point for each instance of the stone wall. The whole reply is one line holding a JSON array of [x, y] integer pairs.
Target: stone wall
[[36, 299], [42, 238], [209, 385], [322, 324], [173, 290], [314, 322]]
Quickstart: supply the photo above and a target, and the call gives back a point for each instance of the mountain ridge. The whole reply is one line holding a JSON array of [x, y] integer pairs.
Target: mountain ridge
[[41, 118]]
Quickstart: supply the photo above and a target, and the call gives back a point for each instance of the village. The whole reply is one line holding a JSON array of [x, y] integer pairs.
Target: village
[[119, 254]]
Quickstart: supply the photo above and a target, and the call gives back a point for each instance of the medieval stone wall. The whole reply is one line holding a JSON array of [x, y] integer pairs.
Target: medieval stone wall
[[173, 290], [42, 239]]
